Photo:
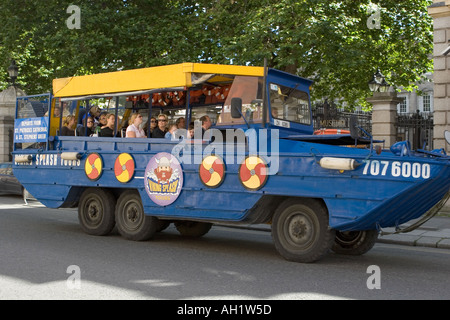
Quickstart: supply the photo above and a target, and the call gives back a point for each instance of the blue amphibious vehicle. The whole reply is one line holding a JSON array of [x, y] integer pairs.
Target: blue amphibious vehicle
[[258, 163]]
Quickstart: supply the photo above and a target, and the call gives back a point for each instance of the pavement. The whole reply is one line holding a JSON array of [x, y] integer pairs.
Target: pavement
[[434, 233]]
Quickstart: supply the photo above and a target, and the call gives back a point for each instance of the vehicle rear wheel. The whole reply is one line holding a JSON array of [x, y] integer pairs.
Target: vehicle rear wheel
[[354, 242], [132, 222], [300, 230], [193, 229], [96, 211]]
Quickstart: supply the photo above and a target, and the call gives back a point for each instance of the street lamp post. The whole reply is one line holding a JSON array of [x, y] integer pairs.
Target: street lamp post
[[13, 72], [378, 83], [8, 98]]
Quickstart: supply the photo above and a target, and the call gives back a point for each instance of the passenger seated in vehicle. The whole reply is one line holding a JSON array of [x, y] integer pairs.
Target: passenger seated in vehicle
[[88, 130], [134, 128], [181, 123], [108, 129], [161, 130], [57, 112], [153, 124], [94, 112], [190, 133], [68, 126], [101, 123], [171, 133], [206, 123]]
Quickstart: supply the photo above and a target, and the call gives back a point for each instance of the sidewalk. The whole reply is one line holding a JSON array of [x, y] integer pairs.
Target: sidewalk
[[434, 233]]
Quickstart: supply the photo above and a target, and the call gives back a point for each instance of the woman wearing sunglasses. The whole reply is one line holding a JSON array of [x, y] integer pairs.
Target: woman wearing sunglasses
[[161, 130]]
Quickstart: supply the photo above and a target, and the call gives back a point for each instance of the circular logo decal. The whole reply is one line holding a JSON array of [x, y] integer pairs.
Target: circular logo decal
[[93, 167], [253, 173], [163, 179], [124, 167], [212, 171]]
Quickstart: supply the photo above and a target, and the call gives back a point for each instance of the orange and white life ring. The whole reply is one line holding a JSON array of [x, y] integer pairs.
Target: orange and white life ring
[[331, 131]]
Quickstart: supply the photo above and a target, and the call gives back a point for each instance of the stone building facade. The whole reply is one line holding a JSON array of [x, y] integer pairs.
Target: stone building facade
[[7, 113], [440, 12]]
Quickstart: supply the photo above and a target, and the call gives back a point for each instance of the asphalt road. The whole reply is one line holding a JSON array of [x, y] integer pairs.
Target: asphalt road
[[45, 255]]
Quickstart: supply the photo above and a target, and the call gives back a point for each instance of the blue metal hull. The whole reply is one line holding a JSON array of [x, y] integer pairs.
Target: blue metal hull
[[384, 191]]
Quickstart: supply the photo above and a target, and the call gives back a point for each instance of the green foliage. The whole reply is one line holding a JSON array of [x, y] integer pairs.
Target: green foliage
[[328, 41]]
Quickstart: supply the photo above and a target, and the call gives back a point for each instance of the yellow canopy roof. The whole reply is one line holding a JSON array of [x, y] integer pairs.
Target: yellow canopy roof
[[146, 79]]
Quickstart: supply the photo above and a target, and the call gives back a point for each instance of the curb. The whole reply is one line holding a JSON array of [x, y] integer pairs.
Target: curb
[[422, 237]]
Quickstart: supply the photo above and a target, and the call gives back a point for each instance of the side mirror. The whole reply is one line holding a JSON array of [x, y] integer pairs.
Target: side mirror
[[236, 108], [354, 127]]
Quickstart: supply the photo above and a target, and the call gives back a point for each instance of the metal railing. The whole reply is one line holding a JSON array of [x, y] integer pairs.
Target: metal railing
[[417, 128], [328, 116]]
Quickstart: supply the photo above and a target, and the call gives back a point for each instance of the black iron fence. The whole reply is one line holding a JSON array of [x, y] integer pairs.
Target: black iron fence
[[417, 128], [328, 116]]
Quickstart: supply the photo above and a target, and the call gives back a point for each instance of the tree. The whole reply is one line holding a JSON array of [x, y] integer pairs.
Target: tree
[[114, 35], [328, 41]]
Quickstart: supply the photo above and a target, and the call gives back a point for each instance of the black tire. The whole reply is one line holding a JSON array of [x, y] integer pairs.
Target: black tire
[[132, 222], [193, 229], [354, 243], [300, 230], [96, 211]]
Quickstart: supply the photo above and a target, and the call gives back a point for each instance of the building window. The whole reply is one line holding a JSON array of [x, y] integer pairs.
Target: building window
[[402, 107], [426, 103]]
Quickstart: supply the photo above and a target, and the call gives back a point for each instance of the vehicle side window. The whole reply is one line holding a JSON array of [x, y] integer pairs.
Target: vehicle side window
[[289, 104]]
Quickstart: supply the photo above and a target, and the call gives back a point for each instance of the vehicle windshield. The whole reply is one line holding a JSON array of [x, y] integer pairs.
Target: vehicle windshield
[[289, 104]]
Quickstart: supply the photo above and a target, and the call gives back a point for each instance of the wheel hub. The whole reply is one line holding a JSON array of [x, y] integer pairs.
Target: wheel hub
[[300, 230], [132, 214], [93, 211]]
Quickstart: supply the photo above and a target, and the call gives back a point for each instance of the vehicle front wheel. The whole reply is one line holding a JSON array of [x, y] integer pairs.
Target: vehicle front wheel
[[300, 230], [132, 222], [354, 242]]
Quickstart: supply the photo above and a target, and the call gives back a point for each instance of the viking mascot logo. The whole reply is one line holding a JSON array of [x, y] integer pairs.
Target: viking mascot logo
[[163, 179]]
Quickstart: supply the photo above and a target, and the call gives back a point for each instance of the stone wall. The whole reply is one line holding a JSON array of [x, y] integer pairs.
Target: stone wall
[[7, 113], [440, 12]]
